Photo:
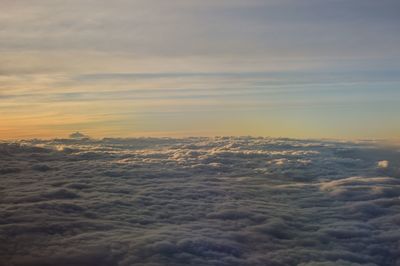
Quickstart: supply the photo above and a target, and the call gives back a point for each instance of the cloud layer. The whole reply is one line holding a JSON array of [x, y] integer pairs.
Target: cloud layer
[[198, 201]]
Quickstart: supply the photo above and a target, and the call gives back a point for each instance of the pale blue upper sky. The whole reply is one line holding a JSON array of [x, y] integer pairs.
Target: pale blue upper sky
[[292, 68]]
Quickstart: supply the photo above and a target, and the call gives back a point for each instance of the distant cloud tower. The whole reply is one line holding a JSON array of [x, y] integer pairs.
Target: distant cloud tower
[[78, 135], [383, 164]]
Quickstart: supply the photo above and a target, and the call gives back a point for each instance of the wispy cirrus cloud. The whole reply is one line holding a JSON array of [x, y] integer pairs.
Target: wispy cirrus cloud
[[227, 55]]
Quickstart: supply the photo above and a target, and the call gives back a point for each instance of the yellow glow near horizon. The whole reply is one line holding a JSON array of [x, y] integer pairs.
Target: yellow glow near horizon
[[184, 68]]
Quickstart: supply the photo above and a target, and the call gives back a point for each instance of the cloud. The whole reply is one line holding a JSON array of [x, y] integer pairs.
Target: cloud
[[188, 63], [383, 164], [155, 28], [198, 201], [78, 135]]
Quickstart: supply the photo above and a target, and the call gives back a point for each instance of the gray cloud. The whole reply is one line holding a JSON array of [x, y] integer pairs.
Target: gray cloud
[[275, 60], [180, 28], [198, 201]]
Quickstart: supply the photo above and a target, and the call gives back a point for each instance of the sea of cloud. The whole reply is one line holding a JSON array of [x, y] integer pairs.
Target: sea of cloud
[[199, 201]]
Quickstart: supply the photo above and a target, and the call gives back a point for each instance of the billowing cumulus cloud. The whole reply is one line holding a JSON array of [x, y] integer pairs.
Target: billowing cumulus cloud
[[198, 201]]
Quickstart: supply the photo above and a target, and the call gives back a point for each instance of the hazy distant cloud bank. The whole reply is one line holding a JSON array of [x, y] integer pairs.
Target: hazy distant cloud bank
[[199, 201]]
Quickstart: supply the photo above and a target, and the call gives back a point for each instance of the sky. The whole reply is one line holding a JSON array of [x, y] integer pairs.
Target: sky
[[287, 68]]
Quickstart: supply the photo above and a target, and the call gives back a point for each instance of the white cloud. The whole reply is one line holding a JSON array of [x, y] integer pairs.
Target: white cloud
[[383, 164]]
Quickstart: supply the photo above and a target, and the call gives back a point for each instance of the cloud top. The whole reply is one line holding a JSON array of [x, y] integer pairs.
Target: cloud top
[[198, 201]]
